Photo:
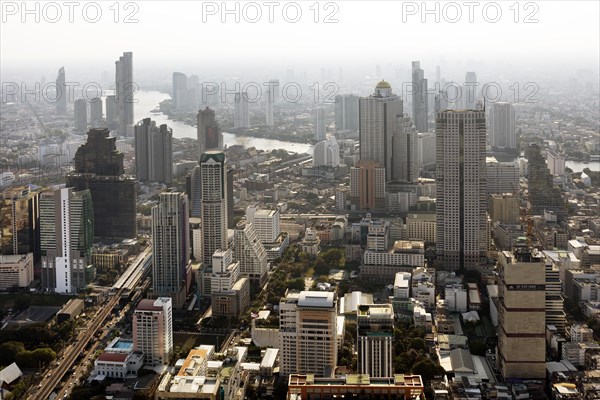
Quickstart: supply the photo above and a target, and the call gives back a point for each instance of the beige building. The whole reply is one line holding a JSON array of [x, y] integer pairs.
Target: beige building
[[421, 226], [522, 314], [307, 331], [153, 330], [16, 271], [504, 208]]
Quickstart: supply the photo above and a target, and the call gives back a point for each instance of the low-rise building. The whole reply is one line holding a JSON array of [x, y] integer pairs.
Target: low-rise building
[[16, 271]]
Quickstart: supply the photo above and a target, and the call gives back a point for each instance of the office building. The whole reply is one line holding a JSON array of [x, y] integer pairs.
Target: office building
[[180, 88], [250, 253], [195, 192], [522, 314], [210, 136], [346, 112], [99, 168], [16, 271], [504, 208], [461, 200], [153, 152], [556, 163], [213, 209], [367, 186], [230, 292], [319, 123], [241, 116], [327, 153], [426, 150], [267, 223], [170, 247], [419, 98], [555, 312], [20, 216], [66, 235], [96, 120], [502, 177], [125, 89], [81, 118], [503, 134], [375, 340], [377, 123], [470, 91], [543, 195], [269, 108], [61, 93], [153, 330], [307, 331], [405, 160], [112, 118]]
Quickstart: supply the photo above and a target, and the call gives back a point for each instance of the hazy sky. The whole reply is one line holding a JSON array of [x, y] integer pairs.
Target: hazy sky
[[172, 35]]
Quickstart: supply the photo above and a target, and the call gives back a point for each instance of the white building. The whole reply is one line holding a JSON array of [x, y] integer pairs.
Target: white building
[[311, 244], [327, 153], [267, 223], [118, 365], [16, 271], [502, 177], [319, 123], [225, 272], [153, 330], [402, 285], [456, 298], [250, 253]]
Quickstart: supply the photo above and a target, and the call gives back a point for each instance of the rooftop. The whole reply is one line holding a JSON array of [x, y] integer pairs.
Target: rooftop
[[316, 299]]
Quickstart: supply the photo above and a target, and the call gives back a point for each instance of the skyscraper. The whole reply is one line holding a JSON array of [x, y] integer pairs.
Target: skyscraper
[[112, 119], [319, 123], [307, 331], [346, 112], [375, 340], [61, 93], [153, 330], [241, 116], [470, 91], [327, 153], [269, 107], [522, 314], [419, 97], [195, 192], [213, 177], [153, 152], [461, 189], [367, 186], [250, 253], [209, 134], [377, 122], [502, 126], [96, 113], [124, 93], [543, 195], [405, 162], [99, 168], [170, 246], [80, 116], [179, 90], [66, 234]]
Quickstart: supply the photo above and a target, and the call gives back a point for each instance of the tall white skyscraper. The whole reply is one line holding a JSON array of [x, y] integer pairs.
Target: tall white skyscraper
[[124, 93], [377, 122], [502, 126], [419, 97], [170, 246], [96, 113], [241, 116], [66, 235], [267, 223], [208, 132], [61, 93], [327, 153], [375, 340], [461, 189], [470, 91], [250, 253], [180, 88], [319, 123], [153, 152], [81, 115], [153, 330], [213, 177]]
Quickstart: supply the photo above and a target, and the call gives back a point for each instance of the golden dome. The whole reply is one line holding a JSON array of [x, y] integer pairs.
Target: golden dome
[[383, 85]]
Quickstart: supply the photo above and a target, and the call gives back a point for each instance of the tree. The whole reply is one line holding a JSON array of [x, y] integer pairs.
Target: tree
[[427, 369], [417, 343], [478, 347], [9, 351]]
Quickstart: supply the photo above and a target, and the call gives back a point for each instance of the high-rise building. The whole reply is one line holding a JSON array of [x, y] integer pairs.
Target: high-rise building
[[346, 112], [213, 178], [504, 208], [419, 97], [319, 123], [555, 303], [80, 115], [153, 330], [241, 116], [230, 293], [502, 177], [112, 118], [209, 134], [125, 89], [367, 186], [20, 222], [66, 235], [270, 100], [461, 189], [375, 340], [180, 88], [307, 331], [327, 153], [502, 126], [96, 113], [170, 246], [266, 223], [99, 168], [250, 253], [377, 122], [195, 192], [153, 152], [543, 195], [470, 91], [522, 314], [405, 141], [61, 93]]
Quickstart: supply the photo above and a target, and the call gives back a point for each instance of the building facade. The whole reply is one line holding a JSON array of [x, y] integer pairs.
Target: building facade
[[153, 152], [153, 330]]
